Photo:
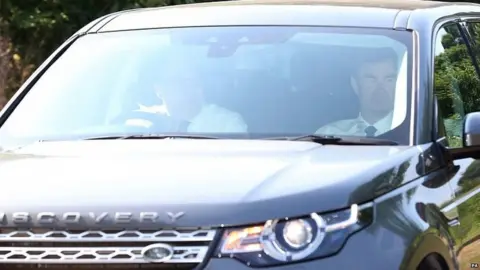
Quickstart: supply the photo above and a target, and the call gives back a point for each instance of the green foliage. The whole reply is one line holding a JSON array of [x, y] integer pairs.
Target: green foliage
[[456, 83], [37, 27], [49, 22]]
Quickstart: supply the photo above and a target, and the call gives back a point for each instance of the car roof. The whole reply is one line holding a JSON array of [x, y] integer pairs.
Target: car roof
[[359, 13], [391, 4]]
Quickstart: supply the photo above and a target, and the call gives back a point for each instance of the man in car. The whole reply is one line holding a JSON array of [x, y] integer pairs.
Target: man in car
[[180, 88], [374, 82]]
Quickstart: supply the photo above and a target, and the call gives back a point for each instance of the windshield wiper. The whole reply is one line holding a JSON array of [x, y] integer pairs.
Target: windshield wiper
[[150, 136], [337, 140]]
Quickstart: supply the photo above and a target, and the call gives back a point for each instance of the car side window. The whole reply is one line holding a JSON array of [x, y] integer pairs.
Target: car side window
[[473, 29], [472, 101], [454, 79]]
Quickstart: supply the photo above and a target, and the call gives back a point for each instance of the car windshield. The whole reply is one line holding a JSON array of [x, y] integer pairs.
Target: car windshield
[[252, 82]]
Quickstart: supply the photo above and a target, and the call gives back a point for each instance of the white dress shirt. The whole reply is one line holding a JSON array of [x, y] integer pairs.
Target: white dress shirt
[[215, 119], [356, 127]]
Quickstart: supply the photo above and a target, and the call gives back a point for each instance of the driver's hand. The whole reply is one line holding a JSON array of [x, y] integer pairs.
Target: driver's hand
[[160, 109]]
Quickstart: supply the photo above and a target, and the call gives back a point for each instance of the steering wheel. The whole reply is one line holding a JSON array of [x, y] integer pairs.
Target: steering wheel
[[136, 122], [147, 120]]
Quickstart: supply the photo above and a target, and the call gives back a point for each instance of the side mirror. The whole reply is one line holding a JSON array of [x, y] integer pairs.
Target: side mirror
[[471, 130], [471, 138]]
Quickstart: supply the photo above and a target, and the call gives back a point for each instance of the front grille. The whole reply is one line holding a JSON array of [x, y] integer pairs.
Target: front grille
[[66, 249]]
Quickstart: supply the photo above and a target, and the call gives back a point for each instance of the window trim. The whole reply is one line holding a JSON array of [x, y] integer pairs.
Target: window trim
[[415, 90], [466, 35], [439, 24], [435, 119]]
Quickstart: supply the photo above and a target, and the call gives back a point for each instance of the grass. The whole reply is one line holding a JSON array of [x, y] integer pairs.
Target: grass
[[468, 230], [469, 255]]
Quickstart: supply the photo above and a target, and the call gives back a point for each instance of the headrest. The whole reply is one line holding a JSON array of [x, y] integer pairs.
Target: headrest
[[325, 73]]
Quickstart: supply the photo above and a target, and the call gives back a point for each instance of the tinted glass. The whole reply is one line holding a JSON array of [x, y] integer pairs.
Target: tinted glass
[[248, 82], [456, 80], [451, 55]]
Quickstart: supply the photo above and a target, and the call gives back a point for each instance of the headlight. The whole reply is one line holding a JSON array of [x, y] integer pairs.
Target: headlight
[[292, 240]]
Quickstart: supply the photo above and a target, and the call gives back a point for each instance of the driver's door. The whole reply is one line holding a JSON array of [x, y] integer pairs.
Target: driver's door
[[456, 86]]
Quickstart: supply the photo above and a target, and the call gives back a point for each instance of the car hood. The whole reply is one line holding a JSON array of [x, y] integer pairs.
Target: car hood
[[213, 182]]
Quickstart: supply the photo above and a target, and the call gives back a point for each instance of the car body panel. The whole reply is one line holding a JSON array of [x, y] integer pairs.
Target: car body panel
[[284, 15], [247, 175], [403, 241], [464, 208], [422, 198], [464, 174]]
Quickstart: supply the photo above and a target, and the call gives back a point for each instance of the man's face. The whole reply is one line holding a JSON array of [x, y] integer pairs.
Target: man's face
[[375, 84]]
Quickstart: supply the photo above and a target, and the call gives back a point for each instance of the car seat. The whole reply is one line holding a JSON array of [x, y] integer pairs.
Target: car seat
[[321, 77], [264, 100]]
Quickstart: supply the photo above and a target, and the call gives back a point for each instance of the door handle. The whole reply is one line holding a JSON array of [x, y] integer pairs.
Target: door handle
[[454, 222]]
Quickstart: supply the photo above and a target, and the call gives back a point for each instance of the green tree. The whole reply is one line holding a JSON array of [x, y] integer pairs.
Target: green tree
[[35, 28]]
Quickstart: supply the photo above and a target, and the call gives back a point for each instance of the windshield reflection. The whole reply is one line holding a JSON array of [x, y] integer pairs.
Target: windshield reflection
[[222, 81]]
